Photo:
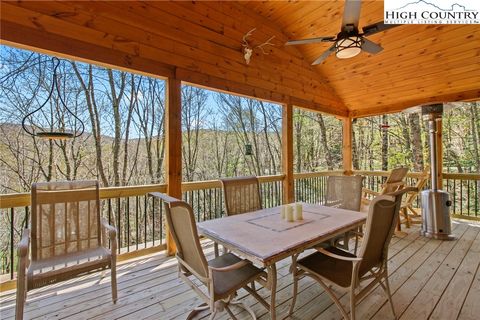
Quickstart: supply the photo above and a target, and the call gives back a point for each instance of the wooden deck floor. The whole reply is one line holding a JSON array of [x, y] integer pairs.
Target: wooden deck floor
[[430, 279]]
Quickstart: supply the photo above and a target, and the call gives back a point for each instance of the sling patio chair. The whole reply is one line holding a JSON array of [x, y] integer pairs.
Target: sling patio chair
[[410, 215], [67, 238], [333, 265], [344, 192], [222, 276], [241, 195]]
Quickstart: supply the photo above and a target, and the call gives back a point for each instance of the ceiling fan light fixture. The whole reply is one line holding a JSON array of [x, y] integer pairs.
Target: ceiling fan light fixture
[[348, 47]]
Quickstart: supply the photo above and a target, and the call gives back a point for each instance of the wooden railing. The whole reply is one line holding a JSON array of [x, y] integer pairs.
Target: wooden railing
[[464, 191], [140, 220]]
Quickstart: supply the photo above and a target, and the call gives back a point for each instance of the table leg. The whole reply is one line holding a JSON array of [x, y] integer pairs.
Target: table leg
[[272, 281]]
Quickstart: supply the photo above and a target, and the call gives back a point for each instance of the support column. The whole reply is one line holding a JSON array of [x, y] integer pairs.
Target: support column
[[173, 147], [287, 153], [439, 153], [347, 146]]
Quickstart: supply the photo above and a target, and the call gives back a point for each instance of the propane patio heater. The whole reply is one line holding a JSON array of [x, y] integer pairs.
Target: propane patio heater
[[435, 203]]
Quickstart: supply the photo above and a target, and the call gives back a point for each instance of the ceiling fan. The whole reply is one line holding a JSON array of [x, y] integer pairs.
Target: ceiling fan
[[349, 41]]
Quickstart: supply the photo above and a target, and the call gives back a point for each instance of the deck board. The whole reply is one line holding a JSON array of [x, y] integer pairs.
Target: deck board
[[428, 278]]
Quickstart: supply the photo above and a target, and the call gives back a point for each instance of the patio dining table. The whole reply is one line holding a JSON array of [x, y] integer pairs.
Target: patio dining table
[[264, 238]]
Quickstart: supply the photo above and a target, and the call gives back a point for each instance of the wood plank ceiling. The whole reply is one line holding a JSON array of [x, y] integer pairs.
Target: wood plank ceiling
[[200, 42], [419, 63]]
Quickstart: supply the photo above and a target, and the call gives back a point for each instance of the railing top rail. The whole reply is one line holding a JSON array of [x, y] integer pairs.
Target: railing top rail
[[461, 176], [325, 173], [211, 184], [23, 199], [13, 200]]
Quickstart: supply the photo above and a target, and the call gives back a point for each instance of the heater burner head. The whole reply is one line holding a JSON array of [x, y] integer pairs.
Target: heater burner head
[[435, 110], [427, 109]]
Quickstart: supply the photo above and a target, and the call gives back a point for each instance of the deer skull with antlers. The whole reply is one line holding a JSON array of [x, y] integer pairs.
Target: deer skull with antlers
[[248, 48]]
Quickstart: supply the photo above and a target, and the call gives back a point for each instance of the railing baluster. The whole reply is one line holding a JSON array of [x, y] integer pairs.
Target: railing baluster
[[136, 223], [119, 225], [161, 221], [468, 197], [153, 221], [145, 219], [12, 231], [127, 212], [27, 217]]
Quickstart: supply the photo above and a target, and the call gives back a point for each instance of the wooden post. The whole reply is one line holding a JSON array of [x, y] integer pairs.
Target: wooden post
[[347, 146], [439, 154], [287, 153], [173, 147]]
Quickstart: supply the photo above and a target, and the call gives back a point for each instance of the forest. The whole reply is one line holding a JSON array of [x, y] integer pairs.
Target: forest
[[223, 135]]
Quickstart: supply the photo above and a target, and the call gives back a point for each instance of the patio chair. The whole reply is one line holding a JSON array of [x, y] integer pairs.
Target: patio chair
[[344, 192], [241, 194], [222, 276], [410, 215], [67, 238], [333, 265]]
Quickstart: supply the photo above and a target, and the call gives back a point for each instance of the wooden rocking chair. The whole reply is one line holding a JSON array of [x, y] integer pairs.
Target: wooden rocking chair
[[410, 215], [394, 182], [68, 238]]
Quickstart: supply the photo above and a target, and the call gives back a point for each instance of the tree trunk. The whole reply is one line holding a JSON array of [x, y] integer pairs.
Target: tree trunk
[[384, 143], [355, 162], [323, 138], [416, 145], [474, 124]]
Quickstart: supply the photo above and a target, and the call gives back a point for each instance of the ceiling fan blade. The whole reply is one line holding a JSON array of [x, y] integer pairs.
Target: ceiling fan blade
[[351, 13], [311, 40], [377, 27], [370, 47], [324, 55]]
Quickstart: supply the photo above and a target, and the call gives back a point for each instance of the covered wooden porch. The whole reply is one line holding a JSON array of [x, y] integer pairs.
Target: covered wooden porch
[[200, 44], [429, 278]]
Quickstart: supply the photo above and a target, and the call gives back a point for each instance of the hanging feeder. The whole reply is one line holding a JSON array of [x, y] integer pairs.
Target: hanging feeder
[[248, 150], [60, 134]]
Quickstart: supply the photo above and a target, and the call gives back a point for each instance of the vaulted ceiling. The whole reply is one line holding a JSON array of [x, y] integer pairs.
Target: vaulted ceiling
[[200, 42]]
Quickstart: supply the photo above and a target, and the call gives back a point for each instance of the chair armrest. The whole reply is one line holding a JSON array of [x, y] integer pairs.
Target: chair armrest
[[24, 244], [112, 232], [336, 256], [368, 191], [231, 267], [112, 235]]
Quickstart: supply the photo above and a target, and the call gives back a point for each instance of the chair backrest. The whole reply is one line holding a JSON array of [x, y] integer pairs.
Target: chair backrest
[[183, 228], [381, 221], [65, 218], [395, 180], [241, 194], [344, 192]]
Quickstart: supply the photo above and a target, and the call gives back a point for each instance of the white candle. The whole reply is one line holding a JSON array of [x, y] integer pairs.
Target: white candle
[[282, 212], [298, 211], [290, 214]]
